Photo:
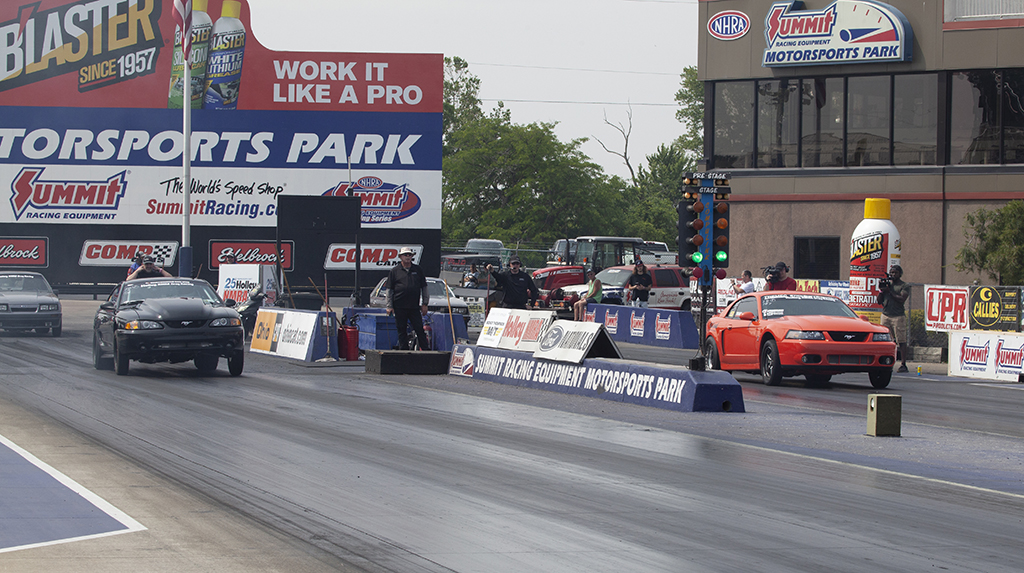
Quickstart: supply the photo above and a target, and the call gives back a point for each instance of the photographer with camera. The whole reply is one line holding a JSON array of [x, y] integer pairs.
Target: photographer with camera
[[777, 277], [893, 293]]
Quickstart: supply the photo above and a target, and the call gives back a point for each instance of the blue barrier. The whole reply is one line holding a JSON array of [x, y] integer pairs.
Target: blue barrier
[[378, 332], [655, 385], [647, 326]]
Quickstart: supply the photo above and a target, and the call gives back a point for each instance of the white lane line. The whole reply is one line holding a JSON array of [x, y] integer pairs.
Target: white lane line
[[130, 524]]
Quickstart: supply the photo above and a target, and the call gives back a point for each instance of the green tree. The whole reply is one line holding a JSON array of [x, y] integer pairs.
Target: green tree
[[652, 213], [461, 104], [690, 98], [995, 243], [519, 183]]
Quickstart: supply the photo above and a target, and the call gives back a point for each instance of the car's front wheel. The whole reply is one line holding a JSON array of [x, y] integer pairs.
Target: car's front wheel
[[880, 378], [771, 370], [236, 362], [98, 360], [120, 361]]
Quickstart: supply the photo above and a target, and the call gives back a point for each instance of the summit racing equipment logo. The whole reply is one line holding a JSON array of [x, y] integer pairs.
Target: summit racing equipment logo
[[847, 31], [636, 324], [973, 357], [462, 362], [104, 41], [1009, 359], [382, 202], [611, 321], [65, 199]]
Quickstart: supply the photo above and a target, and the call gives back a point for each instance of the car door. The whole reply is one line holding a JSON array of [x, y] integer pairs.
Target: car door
[[667, 290], [739, 336]]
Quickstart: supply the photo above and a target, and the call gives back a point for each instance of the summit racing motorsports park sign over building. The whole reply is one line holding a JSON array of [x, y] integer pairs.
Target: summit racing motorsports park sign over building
[[845, 32]]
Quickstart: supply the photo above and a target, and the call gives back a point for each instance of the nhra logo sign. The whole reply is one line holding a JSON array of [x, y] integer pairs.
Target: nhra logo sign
[[65, 199], [23, 252], [729, 25], [382, 202], [121, 253], [845, 32]]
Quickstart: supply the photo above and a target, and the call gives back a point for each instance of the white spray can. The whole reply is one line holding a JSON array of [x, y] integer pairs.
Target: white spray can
[[874, 248], [224, 67], [202, 27]]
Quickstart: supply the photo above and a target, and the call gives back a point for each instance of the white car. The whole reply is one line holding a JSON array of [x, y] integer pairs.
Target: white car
[[439, 299], [670, 287]]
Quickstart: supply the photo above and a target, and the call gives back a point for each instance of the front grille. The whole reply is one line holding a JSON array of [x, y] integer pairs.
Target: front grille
[[843, 336], [23, 309], [185, 323], [850, 359]]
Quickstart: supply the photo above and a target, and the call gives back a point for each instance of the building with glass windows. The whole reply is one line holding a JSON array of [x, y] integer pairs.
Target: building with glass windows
[[814, 106]]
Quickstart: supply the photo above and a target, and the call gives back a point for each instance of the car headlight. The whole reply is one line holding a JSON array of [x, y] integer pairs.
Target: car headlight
[[142, 325], [49, 307], [805, 335], [881, 337], [226, 322], [3, 308]]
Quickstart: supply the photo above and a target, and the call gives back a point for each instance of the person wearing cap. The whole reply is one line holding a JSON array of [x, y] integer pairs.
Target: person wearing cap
[[892, 297], [229, 259], [516, 284], [136, 262], [594, 295], [148, 270], [639, 284], [784, 282], [407, 285]]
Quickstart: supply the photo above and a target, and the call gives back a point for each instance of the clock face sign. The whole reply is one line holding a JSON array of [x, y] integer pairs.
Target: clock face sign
[[845, 32]]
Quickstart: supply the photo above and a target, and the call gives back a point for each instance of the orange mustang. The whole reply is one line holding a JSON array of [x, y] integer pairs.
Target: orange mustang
[[786, 333]]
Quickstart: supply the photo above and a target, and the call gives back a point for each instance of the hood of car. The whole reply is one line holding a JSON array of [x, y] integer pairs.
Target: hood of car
[[27, 298], [819, 322], [163, 309]]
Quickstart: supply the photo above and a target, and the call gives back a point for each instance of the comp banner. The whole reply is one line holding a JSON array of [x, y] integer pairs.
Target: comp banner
[[647, 326], [946, 308], [257, 127], [995, 308], [342, 256], [988, 355]]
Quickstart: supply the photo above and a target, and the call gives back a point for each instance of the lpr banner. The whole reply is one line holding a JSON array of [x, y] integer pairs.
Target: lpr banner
[[946, 308]]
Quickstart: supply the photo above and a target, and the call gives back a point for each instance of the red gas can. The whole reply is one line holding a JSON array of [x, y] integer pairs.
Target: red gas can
[[348, 342]]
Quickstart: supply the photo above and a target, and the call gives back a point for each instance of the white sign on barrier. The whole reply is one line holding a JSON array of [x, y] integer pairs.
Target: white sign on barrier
[[284, 333], [494, 326], [991, 355], [568, 341], [524, 328]]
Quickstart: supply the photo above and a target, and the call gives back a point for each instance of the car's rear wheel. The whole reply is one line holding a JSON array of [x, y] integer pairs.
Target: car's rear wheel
[[98, 360], [120, 361], [236, 362], [880, 378], [686, 306], [711, 352], [771, 370], [206, 362]]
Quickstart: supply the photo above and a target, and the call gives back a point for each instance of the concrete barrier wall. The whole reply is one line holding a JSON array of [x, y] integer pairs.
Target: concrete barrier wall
[[647, 326]]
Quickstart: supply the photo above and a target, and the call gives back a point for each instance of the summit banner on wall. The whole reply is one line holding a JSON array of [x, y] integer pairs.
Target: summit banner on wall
[[91, 125]]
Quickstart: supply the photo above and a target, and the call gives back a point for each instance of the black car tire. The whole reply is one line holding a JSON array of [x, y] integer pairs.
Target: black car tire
[[120, 362], [771, 370], [686, 306], [711, 351], [236, 362], [880, 378], [818, 379], [98, 360], [206, 362], [55, 331]]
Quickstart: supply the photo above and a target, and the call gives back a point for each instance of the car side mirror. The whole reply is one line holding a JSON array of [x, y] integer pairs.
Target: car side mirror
[[746, 316], [107, 306], [864, 318], [230, 303]]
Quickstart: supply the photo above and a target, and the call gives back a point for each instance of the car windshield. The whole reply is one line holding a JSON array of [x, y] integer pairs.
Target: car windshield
[[169, 289], [614, 277], [778, 306], [437, 290], [24, 283]]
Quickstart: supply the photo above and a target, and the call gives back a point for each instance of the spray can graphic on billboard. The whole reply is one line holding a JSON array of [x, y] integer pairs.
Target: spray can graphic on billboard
[[202, 27], [224, 67], [874, 249]]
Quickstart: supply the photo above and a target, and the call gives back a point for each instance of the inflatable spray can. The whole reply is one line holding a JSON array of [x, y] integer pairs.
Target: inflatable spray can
[[874, 249], [202, 27], [224, 67]]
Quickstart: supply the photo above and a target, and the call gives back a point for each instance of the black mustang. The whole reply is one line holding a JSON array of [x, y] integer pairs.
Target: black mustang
[[167, 320]]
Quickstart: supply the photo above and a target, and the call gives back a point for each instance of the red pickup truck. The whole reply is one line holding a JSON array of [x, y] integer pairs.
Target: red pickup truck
[[550, 279]]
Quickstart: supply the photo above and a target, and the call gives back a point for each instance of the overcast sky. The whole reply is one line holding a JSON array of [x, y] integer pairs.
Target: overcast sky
[[567, 61]]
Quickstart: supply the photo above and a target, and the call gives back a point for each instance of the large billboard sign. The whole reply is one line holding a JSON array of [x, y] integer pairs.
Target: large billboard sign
[[263, 124], [844, 32]]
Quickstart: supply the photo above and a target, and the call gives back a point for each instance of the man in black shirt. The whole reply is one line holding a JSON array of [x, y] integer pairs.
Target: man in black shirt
[[518, 285], [148, 270], [406, 285], [640, 284]]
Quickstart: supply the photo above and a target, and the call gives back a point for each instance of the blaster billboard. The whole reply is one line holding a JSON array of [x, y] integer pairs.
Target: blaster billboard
[[263, 123]]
